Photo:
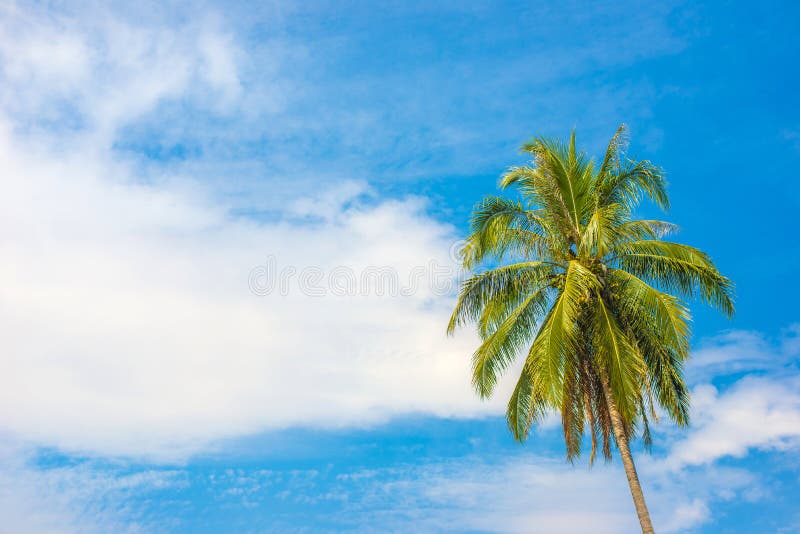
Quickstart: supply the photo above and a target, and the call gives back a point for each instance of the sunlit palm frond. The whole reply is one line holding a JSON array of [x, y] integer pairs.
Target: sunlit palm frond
[[506, 282], [539, 187], [601, 231], [502, 345], [631, 182], [526, 406], [568, 173], [643, 229], [678, 268], [613, 154], [618, 357], [557, 339], [502, 227]]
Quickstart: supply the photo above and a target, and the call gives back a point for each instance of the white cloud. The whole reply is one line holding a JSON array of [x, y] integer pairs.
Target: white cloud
[[73, 498], [129, 327], [221, 70], [519, 492], [760, 410], [737, 351], [535, 495], [99, 73], [759, 413]]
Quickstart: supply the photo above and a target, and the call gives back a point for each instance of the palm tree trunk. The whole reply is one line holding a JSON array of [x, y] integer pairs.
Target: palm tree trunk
[[627, 459]]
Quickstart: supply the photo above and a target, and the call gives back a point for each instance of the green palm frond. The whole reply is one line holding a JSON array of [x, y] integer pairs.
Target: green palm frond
[[573, 410], [557, 338], [567, 174], [665, 373], [506, 282], [525, 407], [677, 267], [601, 231], [541, 189], [591, 295], [618, 356], [501, 347], [501, 227], [646, 308], [633, 181]]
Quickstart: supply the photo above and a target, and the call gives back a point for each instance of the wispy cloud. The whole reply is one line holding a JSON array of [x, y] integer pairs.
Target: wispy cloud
[[736, 351], [81, 497]]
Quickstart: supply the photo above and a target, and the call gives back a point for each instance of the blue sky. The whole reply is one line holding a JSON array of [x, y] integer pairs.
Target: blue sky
[[154, 158]]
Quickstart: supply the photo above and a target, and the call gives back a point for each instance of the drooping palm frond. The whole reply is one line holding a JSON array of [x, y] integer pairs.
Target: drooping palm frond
[[618, 357], [525, 407], [557, 339], [501, 227], [573, 410], [678, 268], [502, 345], [645, 308], [502, 283]]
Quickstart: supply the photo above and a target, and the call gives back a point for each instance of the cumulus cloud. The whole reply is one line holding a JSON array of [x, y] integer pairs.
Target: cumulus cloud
[[130, 314], [758, 410], [131, 327], [761, 413]]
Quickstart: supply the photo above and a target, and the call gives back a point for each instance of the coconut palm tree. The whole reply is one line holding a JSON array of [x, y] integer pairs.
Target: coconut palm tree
[[592, 296]]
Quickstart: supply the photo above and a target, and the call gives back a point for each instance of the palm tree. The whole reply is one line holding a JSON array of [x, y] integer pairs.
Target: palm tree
[[593, 296]]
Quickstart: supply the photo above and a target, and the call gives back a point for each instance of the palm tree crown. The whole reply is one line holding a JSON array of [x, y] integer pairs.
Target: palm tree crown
[[591, 294]]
